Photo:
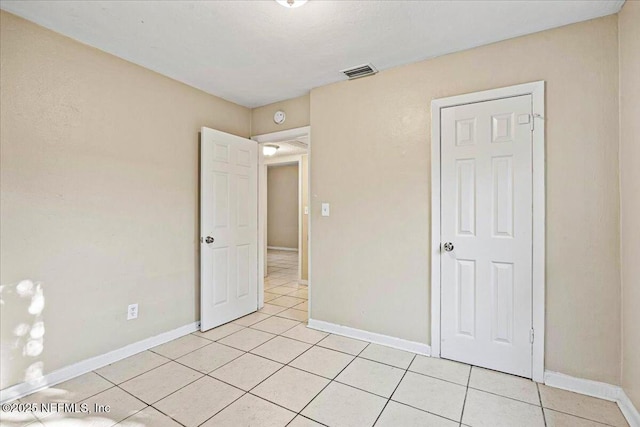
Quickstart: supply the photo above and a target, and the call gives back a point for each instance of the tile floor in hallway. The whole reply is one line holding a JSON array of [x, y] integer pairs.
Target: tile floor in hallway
[[268, 369], [281, 285]]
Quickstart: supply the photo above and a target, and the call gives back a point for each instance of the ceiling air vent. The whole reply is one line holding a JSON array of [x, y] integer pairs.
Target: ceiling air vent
[[360, 71]]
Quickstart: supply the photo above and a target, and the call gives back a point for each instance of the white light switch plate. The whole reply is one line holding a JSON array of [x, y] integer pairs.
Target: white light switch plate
[[132, 311], [325, 209], [306, 210]]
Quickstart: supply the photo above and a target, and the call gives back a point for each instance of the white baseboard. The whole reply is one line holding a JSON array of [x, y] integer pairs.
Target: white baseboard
[[629, 411], [88, 365], [359, 334], [280, 248], [595, 389], [582, 386]]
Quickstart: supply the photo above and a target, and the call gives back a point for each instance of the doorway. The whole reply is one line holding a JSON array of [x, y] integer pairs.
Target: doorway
[[284, 225], [488, 229]]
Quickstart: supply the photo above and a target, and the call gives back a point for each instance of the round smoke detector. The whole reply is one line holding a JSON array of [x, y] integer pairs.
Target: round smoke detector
[[279, 117]]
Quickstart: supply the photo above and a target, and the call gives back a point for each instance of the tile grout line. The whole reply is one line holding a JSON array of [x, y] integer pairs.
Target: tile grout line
[[466, 392], [137, 412], [394, 390], [421, 409], [306, 418], [358, 355], [225, 407], [78, 401], [216, 368], [425, 411], [578, 416], [186, 385], [332, 380], [265, 379], [544, 417], [503, 396]]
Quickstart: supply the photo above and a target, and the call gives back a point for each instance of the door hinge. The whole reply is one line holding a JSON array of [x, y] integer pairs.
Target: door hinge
[[531, 336], [535, 116]]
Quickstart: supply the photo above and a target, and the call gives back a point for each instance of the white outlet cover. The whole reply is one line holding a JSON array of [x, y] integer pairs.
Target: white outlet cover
[[132, 311]]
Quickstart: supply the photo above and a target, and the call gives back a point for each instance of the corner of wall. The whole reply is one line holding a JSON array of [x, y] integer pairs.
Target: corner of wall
[[629, 156]]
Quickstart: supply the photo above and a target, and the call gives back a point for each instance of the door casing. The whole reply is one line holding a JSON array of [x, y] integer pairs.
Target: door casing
[[536, 90]]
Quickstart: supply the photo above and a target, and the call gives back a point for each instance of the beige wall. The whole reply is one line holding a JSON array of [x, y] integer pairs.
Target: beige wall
[[296, 109], [282, 206], [99, 198], [629, 27], [371, 161], [304, 250], [99, 181]]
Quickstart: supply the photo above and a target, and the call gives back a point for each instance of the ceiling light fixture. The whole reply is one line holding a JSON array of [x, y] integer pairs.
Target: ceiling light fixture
[[269, 149], [290, 4]]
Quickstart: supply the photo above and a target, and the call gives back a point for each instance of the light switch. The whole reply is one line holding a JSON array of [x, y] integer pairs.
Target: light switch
[[306, 210], [325, 209]]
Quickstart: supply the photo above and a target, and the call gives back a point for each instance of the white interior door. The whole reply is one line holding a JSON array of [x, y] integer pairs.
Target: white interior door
[[228, 227], [486, 234]]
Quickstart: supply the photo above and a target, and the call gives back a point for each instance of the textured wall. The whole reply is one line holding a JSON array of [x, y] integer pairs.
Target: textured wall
[[99, 204], [296, 109], [370, 159], [282, 206]]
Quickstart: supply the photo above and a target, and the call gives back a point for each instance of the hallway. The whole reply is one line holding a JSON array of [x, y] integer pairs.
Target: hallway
[[281, 287]]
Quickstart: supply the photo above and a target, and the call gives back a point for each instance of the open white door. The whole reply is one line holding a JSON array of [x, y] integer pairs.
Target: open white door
[[486, 234], [228, 227]]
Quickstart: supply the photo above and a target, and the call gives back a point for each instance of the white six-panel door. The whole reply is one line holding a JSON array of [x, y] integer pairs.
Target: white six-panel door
[[228, 227], [486, 234]]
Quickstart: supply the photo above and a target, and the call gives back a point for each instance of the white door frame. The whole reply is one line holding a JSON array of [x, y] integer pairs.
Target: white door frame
[[303, 133], [536, 90]]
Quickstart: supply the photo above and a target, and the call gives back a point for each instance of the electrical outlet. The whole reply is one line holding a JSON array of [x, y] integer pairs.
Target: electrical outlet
[[132, 311]]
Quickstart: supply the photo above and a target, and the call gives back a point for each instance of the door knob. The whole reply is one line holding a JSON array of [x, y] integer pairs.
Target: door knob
[[208, 240], [448, 247]]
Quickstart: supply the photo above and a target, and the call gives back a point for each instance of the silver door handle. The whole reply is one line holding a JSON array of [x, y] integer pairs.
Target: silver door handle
[[207, 240], [448, 247]]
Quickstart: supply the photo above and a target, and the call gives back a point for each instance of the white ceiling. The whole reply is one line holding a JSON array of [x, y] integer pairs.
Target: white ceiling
[[257, 52]]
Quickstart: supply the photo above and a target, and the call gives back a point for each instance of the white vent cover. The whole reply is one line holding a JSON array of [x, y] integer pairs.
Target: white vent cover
[[359, 71]]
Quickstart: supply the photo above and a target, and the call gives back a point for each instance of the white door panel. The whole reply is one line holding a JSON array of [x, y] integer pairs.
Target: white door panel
[[229, 215], [486, 190]]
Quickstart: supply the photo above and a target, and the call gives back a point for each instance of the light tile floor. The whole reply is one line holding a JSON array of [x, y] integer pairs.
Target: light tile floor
[[271, 370]]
